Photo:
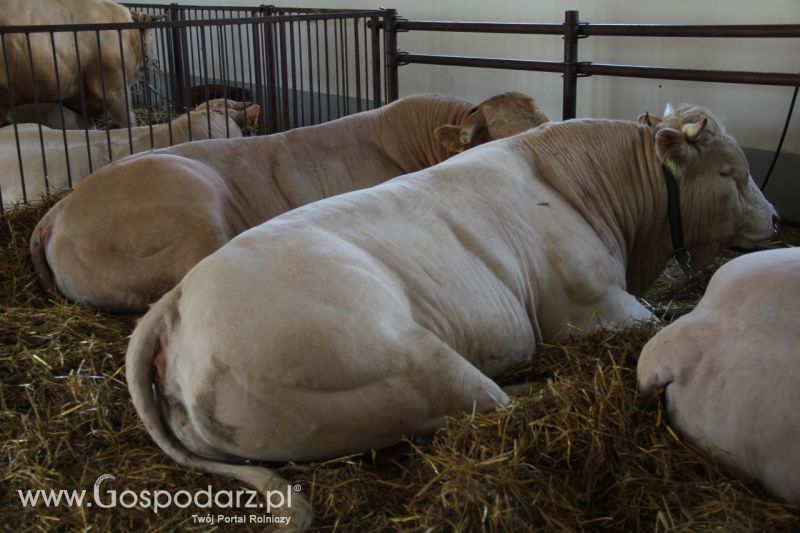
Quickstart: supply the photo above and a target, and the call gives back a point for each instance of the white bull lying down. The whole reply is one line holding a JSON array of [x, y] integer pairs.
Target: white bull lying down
[[91, 150], [128, 233], [731, 369], [359, 319]]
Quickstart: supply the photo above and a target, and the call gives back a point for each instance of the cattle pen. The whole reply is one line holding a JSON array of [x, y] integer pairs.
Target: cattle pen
[[581, 453], [301, 66]]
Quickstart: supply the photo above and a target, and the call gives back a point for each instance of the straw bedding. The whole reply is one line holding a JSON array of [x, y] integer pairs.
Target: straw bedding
[[580, 453]]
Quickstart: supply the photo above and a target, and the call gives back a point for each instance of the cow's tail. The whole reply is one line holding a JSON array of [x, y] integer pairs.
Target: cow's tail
[[147, 340], [38, 249]]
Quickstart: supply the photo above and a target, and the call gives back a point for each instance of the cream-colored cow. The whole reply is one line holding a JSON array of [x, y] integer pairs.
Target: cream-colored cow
[[103, 76], [129, 232], [351, 322], [731, 370], [87, 151]]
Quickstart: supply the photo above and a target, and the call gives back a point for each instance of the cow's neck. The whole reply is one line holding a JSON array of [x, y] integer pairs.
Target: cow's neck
[[407, 129], [612, 177]]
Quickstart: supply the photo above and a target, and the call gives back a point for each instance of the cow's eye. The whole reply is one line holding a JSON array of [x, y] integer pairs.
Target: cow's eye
[[726, 172], [471, 111]]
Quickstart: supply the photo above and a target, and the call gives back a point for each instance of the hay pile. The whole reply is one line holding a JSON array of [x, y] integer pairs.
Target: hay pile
[[581, 453]]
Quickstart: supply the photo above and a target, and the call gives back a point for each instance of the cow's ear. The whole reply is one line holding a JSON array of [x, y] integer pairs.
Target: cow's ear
[[251, 115], [138, 16], [448, 135], [670, 147], [510, 113], [649, 120]]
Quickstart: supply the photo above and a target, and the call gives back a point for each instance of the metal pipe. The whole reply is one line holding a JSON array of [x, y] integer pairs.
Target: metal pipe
[[722, 76], [638, 30], [600, 69], [570, 76], [481, 27], [481, 62], [391, 52]]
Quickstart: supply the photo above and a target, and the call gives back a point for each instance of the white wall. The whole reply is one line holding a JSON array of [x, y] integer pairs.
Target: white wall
[[754, 114]]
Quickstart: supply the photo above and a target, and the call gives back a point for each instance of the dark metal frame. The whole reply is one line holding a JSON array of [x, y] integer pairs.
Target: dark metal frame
[[572, 30], [303, 66]]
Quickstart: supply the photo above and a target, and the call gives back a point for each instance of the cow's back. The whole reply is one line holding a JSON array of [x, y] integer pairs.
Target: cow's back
[[731, 369]]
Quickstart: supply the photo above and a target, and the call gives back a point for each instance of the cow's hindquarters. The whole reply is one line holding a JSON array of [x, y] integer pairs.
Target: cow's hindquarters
[[139, 361]]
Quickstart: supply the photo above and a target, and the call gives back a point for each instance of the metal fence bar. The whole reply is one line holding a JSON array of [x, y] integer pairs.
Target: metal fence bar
[[572, 30], [390, 23], [570, 91]]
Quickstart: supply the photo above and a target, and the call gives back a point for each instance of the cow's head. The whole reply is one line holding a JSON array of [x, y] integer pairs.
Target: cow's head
[[142, 57], [500, 116], [720, 203], [245, 114]]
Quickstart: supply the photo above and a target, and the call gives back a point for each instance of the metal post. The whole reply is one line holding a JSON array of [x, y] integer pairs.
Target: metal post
[[176, 51], [571, 30], [259, 72], [376, 63], [390, 29], [271, 75]]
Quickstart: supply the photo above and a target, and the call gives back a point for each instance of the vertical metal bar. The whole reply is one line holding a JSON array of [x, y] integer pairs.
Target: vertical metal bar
[[310, 74], [282, 54], [390, 33], [272, 78], [258, 79], [61, 109], [147, 102], [376, 63], [229, 62], [319, 75], [327, 73], [243, 84], [366, 64], [103, 90], [570, 75], [166, 98], [125, 85], [83, 101], [204, 51], [177, 54], [213, 70], [35, 86], [157, 38], [345, 67], [14, 119], [336, 52], [300, 69], [195, 34], [294, 74]]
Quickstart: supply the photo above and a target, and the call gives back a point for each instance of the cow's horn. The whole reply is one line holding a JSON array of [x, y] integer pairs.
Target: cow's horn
[[693, 131], [470, 125]]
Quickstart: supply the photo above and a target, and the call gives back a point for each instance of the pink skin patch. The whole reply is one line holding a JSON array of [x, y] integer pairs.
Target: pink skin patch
[[46, 232], [160, 364]]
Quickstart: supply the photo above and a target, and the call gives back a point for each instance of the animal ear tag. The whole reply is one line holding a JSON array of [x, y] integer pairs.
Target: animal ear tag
[[449, 137]]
